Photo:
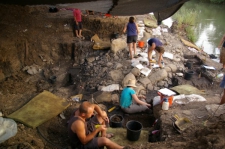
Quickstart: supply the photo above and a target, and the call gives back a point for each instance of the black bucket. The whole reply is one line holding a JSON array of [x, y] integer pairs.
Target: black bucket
[[189, 65], [188, 75], [116, 120], [133, 130]]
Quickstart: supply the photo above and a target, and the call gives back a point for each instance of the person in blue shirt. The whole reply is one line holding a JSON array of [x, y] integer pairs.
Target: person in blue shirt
[[132, 31], [155, 44], [130, 102]]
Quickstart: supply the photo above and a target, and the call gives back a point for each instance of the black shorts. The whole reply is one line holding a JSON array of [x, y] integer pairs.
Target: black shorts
[[93, 144], [78, 26], [131, 39]]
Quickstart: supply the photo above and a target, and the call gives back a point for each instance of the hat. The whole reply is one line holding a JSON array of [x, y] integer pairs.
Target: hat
[[131, 83]]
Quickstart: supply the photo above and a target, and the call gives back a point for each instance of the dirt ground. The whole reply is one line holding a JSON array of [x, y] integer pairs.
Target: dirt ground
[[31, 34]]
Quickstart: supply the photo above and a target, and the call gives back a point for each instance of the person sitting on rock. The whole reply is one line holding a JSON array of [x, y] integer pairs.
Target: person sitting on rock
[[155, 44], [130, 102], [84, 134]]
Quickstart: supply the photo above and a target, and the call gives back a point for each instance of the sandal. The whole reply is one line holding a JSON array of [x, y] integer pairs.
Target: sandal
[[109, 135]]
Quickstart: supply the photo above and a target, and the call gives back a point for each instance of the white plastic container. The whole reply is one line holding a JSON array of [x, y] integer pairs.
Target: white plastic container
[[165, 105]]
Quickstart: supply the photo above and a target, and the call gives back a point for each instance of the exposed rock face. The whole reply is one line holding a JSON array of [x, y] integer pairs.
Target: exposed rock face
[[116, 75], [118, 44], [158, 75]]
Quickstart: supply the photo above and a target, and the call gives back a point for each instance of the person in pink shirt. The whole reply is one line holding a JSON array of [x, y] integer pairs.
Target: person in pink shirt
[[77, 22]]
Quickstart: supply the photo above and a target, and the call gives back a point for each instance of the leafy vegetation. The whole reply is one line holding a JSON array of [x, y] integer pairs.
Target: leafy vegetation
[[214, 1], [186, 18]]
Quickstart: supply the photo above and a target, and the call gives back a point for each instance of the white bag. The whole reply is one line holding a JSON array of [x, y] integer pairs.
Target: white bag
[[8, 129]]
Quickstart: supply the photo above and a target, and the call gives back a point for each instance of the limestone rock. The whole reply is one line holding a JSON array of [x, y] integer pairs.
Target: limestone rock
[[109, 64], [118, 66], [90, 59], [115, 98], [32, 70], [160, 83], [128, 77], [116, 75], [118, 44], [136, 72], [138, 89], [158, 75], [167, 68], [173, 67], [102, 96], [144, 81], [170, 75], [2, 76], [150, 86]]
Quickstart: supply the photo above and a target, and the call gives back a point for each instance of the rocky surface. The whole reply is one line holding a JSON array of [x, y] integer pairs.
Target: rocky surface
[[38, 51]]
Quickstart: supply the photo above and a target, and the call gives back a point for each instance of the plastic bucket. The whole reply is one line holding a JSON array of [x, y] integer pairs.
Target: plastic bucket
[[116, 120], [189, 65], [170, 98], [188, 75], [141, 44], [133, 130]]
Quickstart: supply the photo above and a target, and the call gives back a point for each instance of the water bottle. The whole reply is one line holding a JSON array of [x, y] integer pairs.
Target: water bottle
[[165, 105]]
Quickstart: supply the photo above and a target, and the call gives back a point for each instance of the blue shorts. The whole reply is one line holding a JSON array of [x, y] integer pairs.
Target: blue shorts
[[222, 84]]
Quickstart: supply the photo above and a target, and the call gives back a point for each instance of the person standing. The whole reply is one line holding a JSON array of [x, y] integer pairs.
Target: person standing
[[82, 136], [77, 22], [222, 85], [130, 102], [132, 31], [155, 44], [221, 46]]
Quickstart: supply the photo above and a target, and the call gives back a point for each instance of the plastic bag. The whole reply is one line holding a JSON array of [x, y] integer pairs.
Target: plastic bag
[[156, 100], [8, 129]]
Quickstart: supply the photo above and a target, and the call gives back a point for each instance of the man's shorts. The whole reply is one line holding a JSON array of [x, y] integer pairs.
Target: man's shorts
[[78, 26], [160, 49], [93, 144], [131, 39], [222, 84]]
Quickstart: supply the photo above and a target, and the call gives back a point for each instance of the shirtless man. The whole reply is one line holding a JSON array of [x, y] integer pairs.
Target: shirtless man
[[81, 137]]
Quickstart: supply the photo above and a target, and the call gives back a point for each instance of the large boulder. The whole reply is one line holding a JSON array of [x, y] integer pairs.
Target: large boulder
[[136, 72], [139, 88], [144, 81], [116, 75], [102, 96], [158, 75], [173, 67], [118, 44]]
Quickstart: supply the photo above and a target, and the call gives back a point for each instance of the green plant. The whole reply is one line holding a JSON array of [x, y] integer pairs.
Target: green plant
[[217, 1], [186, 18], [190, 33]]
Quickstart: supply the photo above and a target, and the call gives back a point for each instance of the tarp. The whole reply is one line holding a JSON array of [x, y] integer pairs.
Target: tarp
[[40, 109], [162, 8], [187, 89]]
